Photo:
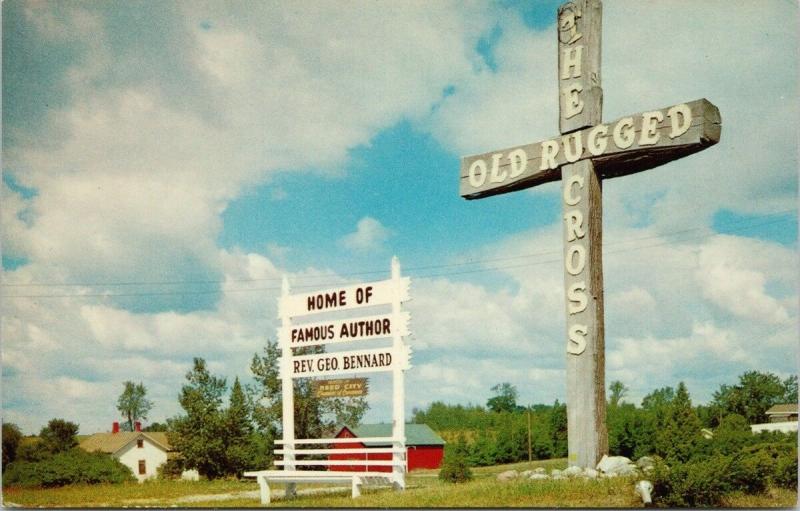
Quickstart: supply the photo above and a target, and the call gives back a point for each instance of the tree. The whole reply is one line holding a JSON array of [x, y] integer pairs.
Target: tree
[[755, 393], [12, 436], [505, 399], [156, 427], [314, 417], [678, 438], [200, 434], [558, 430], [58, 436], [133, 404], [617, 391], [238, 432]]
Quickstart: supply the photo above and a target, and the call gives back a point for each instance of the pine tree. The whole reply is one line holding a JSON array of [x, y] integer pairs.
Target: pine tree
[[238, 432], [678, 439]]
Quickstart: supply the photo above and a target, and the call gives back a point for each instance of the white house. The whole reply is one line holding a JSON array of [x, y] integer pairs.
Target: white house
[[142, 451], [781, 418]]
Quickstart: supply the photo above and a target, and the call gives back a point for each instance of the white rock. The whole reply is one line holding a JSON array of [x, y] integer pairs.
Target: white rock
[[645, 461], [540, 470], [572, 471], [507, 475], [538, 476], [645, 490], [555, 472], [616, 465], [190, 475], [590, 473]]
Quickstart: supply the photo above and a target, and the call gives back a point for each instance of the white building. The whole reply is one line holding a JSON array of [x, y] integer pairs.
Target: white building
[[142, 451], [782, 418]]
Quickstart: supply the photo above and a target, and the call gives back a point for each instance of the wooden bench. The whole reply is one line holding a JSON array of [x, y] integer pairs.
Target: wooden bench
[[356, 480]]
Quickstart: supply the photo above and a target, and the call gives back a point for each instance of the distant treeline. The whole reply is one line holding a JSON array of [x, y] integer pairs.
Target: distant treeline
[[663, 423]]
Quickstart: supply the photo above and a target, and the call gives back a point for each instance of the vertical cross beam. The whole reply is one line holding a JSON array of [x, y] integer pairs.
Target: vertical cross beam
[[580, 106]]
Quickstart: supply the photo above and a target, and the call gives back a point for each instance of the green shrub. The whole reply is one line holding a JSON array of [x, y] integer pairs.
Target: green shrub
[[68, 467], [750, 472], [455, 469], [694, 484], [785, 473], [171, 469]]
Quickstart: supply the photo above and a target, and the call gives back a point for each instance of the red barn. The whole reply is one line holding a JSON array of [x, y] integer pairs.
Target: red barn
[[424, 448]]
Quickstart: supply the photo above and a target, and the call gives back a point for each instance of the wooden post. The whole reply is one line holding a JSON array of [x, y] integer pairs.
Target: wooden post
[[287, 394], [581, 103], [530, 451], [398, 392]]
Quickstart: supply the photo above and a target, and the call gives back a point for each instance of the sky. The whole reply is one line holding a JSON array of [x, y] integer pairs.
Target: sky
[[166, 164]]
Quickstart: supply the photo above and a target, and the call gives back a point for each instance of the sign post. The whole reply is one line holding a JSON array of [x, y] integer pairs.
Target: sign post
[[587, 152], [395, 358]]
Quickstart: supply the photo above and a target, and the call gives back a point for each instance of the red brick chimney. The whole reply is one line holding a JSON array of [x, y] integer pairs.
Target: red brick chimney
[[115, 427], [137, 426]]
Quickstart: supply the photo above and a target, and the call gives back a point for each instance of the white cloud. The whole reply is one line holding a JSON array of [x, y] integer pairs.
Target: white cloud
[[369, 235]]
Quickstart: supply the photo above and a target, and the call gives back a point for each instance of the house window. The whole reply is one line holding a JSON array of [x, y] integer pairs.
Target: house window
[[140, 443], [142, 468]]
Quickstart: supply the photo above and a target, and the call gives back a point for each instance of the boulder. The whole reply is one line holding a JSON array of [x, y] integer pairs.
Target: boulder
[[540, 470], [538, 476], [619, 465], [555, 473], [526, 473], [507, 475], [190, 475], [645, 490], [590, 473], [645, 462], [572, 471]]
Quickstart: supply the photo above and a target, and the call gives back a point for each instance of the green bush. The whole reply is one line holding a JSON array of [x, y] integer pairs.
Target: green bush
[[171, 469], [68, 467], [455, 469], [785, 473], [694, 484]]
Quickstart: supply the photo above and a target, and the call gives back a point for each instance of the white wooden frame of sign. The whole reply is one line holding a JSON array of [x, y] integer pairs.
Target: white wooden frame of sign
[[395, 359]]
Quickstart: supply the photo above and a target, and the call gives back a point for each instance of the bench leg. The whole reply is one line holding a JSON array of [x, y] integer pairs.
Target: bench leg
[[356, 486], [263, 486]]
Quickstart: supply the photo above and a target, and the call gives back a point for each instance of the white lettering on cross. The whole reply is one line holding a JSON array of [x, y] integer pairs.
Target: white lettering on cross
[[573, 104], [571, 61]]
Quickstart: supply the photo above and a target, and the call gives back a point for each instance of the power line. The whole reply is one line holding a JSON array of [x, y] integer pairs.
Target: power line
[[407, 270]]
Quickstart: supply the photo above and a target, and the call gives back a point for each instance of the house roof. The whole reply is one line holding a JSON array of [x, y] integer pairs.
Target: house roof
[[789, 408], [113, 442], [416, 434]]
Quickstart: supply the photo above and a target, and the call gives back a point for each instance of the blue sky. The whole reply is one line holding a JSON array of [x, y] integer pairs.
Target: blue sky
[[165, 165]]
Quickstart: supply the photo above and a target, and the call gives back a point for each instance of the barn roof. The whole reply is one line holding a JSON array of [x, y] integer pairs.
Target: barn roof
[[416, 434], [790, 408], [113, 442]]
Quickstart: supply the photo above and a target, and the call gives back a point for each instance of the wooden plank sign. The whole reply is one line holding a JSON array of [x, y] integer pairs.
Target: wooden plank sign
[[389, 325], [625, 146], [345, 298], [345, 330], [349, 362], [353, 387]]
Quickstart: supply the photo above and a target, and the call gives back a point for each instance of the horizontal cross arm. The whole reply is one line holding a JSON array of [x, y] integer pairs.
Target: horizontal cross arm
[[627, 145]]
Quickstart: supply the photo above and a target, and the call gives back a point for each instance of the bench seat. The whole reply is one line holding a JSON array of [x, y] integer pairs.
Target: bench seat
[[356, 479]]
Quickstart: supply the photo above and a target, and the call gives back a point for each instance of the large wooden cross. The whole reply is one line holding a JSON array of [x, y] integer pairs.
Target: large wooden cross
[[587, 152]]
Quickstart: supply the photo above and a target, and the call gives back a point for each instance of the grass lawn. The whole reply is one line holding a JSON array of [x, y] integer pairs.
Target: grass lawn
[[424, 490]]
